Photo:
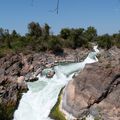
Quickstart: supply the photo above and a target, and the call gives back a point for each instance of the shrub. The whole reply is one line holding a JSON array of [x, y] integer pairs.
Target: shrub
[[104, 41], [55, 45]]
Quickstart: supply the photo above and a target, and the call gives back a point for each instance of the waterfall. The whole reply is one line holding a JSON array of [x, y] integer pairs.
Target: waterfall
[[42, 94]]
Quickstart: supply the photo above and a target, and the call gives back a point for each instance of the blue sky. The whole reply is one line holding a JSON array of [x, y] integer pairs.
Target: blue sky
[[104, 15]]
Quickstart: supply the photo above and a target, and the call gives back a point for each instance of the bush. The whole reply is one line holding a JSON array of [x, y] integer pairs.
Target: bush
[[55, 45], [105, 41], [65, 33]]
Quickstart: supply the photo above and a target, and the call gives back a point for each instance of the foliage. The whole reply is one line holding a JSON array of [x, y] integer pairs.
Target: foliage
[[91, 33], [47, 29], [65, 33], [74, 38], [55, 45], [105, 41], [34, 29], [116, 39], [39, 39], [7, 111]]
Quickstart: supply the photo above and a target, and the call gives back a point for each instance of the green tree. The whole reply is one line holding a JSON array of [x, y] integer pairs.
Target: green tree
[[47, 29], [1, 32], [55, 45], [116, 39], [34, 29], [7, 38], [91, 33], [105, 41], [14, 34], [1, 36], [65, 33], [78, 38]]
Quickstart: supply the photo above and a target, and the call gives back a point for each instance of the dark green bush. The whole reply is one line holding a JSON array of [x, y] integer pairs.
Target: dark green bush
[[39, 39], [55, 44], [105, 41]]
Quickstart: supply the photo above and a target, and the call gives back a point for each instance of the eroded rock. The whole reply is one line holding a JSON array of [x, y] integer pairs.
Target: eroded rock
[[96, 90], [16, 68]]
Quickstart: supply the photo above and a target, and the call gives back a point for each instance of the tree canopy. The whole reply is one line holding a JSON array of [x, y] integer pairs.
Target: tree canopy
[[39, 38]]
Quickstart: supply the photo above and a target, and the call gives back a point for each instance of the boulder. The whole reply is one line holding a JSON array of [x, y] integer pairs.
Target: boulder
[[21, 79], [95, 90], [38, 72], [50, 74]]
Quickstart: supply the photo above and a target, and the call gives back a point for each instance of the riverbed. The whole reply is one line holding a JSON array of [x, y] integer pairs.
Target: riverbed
[[42, 94]]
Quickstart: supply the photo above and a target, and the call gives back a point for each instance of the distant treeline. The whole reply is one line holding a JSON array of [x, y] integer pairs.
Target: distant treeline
[[39, 39]]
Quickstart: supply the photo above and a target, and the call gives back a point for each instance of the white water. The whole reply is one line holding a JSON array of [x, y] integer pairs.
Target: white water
[[42, 95]]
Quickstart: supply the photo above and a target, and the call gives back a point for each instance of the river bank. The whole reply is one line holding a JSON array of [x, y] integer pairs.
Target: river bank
[[43, 94], [17, 68], [95, 90]]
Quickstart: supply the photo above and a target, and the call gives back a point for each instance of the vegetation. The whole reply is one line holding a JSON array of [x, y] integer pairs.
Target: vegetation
[[105, 41], [55, 44], [7, 109], [55, 112], [39, 39]]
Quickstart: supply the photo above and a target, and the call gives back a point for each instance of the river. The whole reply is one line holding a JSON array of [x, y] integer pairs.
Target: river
[[42, 94]]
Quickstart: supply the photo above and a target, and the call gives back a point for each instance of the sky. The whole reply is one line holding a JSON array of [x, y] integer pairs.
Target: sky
[[104, 15]]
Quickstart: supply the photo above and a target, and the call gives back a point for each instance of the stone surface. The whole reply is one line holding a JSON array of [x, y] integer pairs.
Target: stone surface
[[96, 90], [15, 69], [20, 79], [50, 74]]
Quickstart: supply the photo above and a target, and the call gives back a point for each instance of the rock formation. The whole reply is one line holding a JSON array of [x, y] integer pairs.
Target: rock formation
[[15, 69], [96, 90]]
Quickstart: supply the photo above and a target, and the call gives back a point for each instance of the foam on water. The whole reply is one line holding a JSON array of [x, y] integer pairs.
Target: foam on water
[[42, 94]]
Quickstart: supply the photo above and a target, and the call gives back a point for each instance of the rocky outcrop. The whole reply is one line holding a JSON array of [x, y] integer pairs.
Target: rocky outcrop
[[11, 90], [50, 74], [16, 69], [96, 90]]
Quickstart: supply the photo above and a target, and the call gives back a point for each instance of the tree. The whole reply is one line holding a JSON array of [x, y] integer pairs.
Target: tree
[[7, 38], [14, 33], [1, 32], [116, 39], [105, 41], [65, 33], [55, 45], [91, 33], [74, 38], [47, 29], [1, 35], [34, 29], [78, 38]]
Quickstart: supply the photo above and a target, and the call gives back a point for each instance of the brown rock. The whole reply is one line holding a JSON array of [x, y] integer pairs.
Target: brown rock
[[15, 68], [21, 79], [50, 74], [38, 71], [96, 90]]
